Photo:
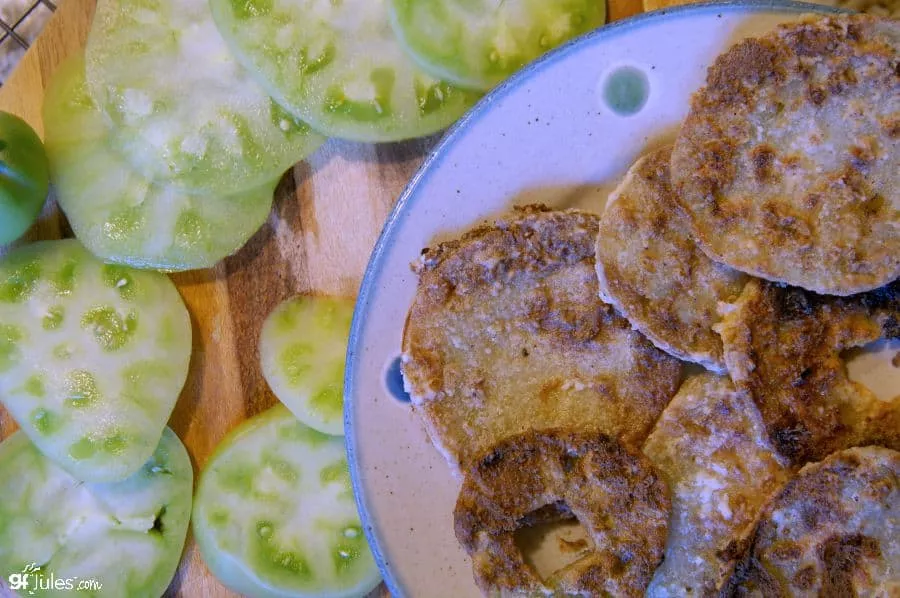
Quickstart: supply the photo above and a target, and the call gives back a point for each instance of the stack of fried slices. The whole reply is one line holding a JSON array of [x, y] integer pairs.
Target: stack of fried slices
[[545, 353]]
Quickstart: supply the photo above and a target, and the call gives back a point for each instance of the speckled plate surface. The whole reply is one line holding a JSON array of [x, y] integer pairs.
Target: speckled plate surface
[[562, 132]]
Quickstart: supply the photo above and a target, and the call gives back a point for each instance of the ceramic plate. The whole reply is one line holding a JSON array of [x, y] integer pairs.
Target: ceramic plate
[[562, 132]]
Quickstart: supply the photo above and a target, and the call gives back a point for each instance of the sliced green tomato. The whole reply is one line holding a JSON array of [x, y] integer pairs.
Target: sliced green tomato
[[274, 514], [479, 43], [302, 351], [119, 214], [117, 539], [184, 110], [338, 66], [93, 357]]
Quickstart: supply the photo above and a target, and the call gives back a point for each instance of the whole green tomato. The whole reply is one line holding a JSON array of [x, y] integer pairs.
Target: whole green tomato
[[24, 177]]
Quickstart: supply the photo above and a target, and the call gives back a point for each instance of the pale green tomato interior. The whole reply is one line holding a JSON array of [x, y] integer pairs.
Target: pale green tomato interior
[[93, 356], [479, 43], [121, 215], [127, 536], [184, 110], [303, 348], [338, 66], [275, 513]]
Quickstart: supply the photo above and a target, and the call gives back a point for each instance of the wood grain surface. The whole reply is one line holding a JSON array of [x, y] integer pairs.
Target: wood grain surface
[[328, 213]]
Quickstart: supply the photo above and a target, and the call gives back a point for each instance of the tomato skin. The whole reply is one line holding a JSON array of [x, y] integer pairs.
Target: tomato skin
[[24, 177]]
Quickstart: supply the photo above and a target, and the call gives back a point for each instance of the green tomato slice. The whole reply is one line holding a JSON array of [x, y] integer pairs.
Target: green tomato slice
[[274, 514], [479, 43], [24, 177], [114, 539], [184, 110], [93, 357], [338, 66], [121, 215], [302, 351]]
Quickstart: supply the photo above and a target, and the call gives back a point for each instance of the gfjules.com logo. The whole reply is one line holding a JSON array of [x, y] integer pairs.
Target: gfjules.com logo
[[32, 580]]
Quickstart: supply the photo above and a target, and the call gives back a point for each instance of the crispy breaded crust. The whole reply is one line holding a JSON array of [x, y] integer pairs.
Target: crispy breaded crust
[[507, 333], [711, 446], [833, 531], [615, 493], [782, 346], [652, 272], [787, 163]]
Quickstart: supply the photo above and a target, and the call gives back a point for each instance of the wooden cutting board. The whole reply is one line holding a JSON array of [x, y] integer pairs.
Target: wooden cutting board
[[328, 213]]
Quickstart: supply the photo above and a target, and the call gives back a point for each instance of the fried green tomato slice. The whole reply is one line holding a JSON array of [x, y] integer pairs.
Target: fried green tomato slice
[[184, 110], [786, 164], [711, 447], [105, 539], [93, 357], [121, 215], [832, 531], [274, 514], [479, 43], [339, 67], [302, 351]]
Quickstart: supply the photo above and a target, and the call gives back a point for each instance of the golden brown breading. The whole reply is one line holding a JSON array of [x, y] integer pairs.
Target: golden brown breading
[[787, 161], [782, 346], [615, 493], [834, 531], [507, 333], [652, 272], [711, 446]]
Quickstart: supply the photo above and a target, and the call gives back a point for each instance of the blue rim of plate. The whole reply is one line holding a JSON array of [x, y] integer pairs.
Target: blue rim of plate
[[434, 159]]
